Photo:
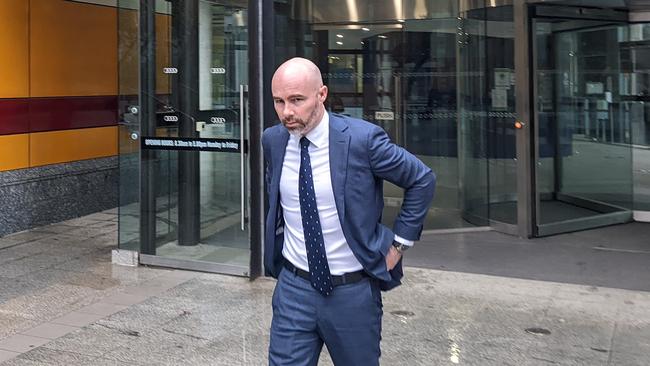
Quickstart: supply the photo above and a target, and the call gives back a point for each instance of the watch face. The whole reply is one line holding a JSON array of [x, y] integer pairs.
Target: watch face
[[400, 247]]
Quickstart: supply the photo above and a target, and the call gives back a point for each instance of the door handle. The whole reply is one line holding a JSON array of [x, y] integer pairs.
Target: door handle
[[242, 161]]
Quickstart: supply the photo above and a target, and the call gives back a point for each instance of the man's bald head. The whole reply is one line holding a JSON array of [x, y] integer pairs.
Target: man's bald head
[[299, 95], [299, 67]]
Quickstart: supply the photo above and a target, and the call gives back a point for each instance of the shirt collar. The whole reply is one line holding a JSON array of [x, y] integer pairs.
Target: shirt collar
[[320, 134]]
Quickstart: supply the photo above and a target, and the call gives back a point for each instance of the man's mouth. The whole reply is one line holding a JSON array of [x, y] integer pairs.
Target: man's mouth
[[292, 124]]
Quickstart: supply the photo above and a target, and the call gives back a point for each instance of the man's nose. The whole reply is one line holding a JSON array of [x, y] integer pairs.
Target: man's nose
[[287, 111]]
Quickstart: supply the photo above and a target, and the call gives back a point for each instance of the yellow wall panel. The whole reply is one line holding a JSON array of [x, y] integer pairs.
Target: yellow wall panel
[[73, 48], [14, 152], [71, 145], [14, 50]]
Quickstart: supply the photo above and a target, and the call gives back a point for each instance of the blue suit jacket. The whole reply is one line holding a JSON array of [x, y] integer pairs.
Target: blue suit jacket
[[361, 157]]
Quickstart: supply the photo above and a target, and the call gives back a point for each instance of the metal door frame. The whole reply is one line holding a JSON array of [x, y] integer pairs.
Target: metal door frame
[[260, 15], [527, 134]]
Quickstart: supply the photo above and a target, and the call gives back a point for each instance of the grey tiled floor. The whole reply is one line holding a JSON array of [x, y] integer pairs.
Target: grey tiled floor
[[78, 309]]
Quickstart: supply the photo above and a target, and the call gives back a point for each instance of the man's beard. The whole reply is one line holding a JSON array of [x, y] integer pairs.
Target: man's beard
[[304, 125], [297, 131]]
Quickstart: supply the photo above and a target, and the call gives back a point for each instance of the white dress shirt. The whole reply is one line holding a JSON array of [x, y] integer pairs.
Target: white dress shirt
[[339, 256]]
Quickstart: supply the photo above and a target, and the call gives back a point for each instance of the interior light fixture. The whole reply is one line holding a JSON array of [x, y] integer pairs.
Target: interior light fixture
[[365, 29], [382, 37], [339, 43], [339, 35]]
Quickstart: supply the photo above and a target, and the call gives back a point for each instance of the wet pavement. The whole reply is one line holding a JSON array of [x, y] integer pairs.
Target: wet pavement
[[63, 303]]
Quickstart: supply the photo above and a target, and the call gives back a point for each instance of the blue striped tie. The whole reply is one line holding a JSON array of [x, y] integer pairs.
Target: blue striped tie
[[319, 270]]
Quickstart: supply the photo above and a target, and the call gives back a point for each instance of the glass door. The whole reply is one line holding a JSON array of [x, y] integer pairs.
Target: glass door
[[583, 139], [635, 94], [193, 137], [486, 148]]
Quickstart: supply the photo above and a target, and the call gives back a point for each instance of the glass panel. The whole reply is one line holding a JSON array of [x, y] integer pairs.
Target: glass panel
[[129, 127], [428, 115], [635, 94], [200, 197], [584, 163], [223, 65], [502, 164], [223, 78], [487, 105], [404, 69], [473, 148]]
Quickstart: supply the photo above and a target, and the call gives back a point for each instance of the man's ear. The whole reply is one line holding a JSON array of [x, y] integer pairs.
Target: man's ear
[[322, 93]]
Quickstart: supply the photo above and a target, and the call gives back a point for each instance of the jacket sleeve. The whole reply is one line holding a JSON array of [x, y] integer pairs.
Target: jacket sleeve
[[398, 166]]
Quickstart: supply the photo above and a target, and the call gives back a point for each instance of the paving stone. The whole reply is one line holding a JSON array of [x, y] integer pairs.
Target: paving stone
[[11, 324], [77, 319], [101, 308], [21, 343], [55, 357], [94, 340], [50, 302], [157, 347], [6, 355], [50, 330]]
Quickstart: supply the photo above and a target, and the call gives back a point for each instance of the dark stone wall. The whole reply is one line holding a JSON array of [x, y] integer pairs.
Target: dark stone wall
[[39, 196]]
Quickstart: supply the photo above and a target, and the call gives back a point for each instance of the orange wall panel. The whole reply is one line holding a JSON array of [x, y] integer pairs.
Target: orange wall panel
[[129, 48], [14, 152], [163, 53], [73, 48], [127, 144], [14, 50], [71, 145]]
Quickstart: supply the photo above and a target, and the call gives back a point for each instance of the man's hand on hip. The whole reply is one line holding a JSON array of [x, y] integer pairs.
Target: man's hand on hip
[[392, 258]]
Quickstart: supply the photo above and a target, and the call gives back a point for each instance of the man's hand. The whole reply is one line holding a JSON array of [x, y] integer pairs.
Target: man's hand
[[392, 258]]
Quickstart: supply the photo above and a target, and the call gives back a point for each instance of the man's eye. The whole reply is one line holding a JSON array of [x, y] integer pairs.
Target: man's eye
[[278, 101]]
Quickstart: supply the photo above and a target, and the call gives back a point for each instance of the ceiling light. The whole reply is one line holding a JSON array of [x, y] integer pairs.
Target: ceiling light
[[383, 37], [339, 43], [365, 29], [339, 35]]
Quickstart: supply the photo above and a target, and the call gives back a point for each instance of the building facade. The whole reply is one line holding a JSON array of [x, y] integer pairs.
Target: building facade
[[533, 114]]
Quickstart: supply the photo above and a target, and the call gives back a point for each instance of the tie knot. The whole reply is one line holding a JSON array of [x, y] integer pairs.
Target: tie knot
[[304, 142]]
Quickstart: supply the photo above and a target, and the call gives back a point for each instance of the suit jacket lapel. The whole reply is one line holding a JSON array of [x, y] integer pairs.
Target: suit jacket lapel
[[278, 160], [339, 147]]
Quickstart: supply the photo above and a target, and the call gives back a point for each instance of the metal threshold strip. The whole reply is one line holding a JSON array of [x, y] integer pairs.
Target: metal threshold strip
[[195, 265]]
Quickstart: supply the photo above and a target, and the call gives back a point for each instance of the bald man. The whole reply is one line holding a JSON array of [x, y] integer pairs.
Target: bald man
[[324, 240]]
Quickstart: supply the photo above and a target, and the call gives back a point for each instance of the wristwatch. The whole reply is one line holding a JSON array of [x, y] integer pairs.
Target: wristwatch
[[401, 248]]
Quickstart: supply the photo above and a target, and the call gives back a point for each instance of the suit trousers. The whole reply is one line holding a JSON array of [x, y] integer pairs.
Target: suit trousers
[[348, 322]]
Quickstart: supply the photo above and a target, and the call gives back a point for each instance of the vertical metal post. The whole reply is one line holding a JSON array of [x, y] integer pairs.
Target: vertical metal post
[[261, 65], [187, 50], [526, 184], [398, 115], [242, 158], [147, 125], [554, 129]]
